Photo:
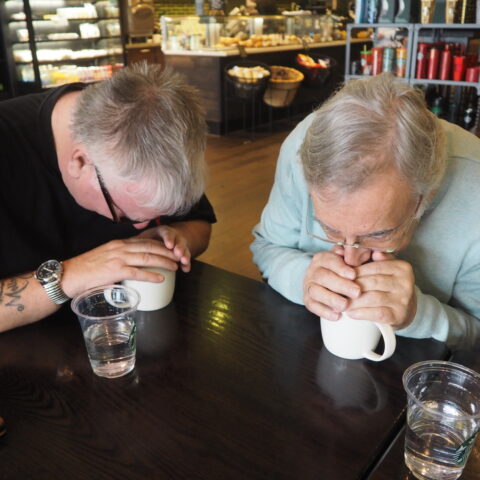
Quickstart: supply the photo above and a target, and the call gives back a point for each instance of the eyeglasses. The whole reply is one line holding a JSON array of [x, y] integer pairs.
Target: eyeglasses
[[111, 204], [371, 243]]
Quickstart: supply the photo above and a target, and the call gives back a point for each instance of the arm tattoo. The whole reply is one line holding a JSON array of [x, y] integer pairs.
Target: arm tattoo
[[11, 289]]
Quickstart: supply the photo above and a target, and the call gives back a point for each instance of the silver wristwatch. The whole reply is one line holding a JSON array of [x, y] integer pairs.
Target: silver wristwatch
[[49, 274]]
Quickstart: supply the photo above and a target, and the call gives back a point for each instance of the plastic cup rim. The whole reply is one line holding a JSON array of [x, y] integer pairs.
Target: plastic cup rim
[[80, 296], [436, 364]]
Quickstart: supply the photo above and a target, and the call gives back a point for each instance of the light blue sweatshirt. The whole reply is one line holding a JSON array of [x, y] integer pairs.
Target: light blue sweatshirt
[[444, 251]]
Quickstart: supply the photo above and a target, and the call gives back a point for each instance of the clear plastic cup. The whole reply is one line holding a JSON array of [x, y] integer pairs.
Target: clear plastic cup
[[107, 318], [443, 418]]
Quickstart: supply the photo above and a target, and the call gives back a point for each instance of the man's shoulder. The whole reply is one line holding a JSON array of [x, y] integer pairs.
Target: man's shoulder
[[296, 136], [462, 144]]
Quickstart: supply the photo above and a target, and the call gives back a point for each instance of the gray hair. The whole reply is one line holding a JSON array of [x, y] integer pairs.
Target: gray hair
[[147, 125], [368, 126]]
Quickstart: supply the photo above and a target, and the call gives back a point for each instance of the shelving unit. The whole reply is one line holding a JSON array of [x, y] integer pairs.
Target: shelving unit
[[51, 42], [417, 32], [441, 31], [408, 27], [431, 33]]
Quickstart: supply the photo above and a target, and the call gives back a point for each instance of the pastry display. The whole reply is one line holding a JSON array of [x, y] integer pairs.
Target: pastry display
[[248, 74], [258, 41]]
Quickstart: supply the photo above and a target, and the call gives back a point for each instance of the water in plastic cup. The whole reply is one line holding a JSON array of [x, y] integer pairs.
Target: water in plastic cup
[[107, 318], [443, 418]]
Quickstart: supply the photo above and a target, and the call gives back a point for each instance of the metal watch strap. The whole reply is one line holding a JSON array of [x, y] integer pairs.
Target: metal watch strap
[[55, 292]]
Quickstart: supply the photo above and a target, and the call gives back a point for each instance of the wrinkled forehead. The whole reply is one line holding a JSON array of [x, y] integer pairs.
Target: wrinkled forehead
[[383, 201]]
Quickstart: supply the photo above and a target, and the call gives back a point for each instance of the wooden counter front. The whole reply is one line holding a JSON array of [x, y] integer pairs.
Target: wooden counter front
[[205, 70]]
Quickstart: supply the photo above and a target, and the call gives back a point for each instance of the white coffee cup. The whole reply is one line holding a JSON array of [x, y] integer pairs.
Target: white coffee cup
[[353, 339], [153, 295]]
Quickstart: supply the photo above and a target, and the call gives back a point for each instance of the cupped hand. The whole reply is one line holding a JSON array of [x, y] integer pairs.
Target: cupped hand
[[116, 261], [329, 285], [388, 291], [174, 241]]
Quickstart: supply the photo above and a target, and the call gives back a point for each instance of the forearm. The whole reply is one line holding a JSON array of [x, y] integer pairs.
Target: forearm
[[442, 322], [23, 300], [284, 268], [197, 234]]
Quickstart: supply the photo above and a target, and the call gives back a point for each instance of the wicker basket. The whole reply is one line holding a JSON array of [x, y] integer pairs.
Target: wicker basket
[[246, 88], [316, 76], [280, 91]]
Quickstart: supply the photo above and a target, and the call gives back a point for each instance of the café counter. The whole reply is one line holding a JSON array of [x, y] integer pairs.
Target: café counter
[[205, 69]]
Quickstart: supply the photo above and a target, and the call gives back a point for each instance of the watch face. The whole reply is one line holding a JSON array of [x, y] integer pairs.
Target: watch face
[[49, 271]]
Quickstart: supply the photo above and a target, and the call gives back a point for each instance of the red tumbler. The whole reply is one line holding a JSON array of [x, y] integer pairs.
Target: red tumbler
[[471, 74], [433, 63], [422, 60], [459, 65], [446, 64]]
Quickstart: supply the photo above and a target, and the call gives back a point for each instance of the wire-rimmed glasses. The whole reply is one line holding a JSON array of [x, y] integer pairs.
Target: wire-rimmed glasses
[[371, 244]]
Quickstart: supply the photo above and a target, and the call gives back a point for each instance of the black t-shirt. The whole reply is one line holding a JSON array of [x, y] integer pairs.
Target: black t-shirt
[[39, 219]]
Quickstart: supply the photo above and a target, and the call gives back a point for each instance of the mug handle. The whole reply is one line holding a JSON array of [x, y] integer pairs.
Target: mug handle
[[389, 340]]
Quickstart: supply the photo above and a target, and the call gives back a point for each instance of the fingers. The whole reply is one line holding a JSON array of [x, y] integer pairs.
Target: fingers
[[144, 259], [328, 285], [318, 294], [335, 263], [382, 256], [143, 245], [173, 241], [333, 283], [382, 283], [142, 275], [378, 315], [319, 308], [387, 267]]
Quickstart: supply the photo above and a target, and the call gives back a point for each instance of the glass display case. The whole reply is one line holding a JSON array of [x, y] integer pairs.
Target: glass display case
[[216, 33], [52, 42]]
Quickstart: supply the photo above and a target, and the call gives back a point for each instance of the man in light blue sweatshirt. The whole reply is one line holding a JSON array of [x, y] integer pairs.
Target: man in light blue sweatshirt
[[375, 211]]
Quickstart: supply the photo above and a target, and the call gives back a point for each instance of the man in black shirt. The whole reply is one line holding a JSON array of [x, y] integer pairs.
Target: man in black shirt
[[104, 179]]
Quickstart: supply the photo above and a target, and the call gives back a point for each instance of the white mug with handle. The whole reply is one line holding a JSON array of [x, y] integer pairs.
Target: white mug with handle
[[153, 295], [354, 339]]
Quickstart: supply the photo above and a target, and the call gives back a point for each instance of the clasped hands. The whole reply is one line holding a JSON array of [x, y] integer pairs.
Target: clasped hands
[[119, 260], [381, 291]]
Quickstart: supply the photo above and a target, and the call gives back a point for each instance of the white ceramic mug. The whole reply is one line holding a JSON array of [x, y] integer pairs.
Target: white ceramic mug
[[154, 296], [353, 339]]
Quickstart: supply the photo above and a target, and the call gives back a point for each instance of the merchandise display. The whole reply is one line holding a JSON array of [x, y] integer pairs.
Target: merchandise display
[[73, 41], [217, 33], [388, 54], [448, 61]]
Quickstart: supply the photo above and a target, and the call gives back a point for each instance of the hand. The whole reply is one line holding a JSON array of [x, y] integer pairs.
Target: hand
[[174, 241], [388, 292], [328, 285], [116, 261]]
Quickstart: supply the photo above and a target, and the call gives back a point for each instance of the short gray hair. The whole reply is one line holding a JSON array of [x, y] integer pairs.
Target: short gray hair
[[146, 124], [368, 126]]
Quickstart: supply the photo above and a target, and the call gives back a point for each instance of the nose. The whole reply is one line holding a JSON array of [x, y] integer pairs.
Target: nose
[[356, 256]]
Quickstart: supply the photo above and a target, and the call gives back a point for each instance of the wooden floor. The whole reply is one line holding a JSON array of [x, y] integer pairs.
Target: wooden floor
[[240, 178]]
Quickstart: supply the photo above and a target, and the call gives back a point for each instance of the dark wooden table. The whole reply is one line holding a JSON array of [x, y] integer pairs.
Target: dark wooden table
[[231, 382], [392, 466]]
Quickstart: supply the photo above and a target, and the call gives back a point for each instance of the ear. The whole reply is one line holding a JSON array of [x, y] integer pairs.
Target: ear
[[77, 163]]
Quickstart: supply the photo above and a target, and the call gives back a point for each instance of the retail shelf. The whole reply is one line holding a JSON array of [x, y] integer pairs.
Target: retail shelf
[[25, 42], [451, 26], [453, 83], [70, 60], [408, 27]]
